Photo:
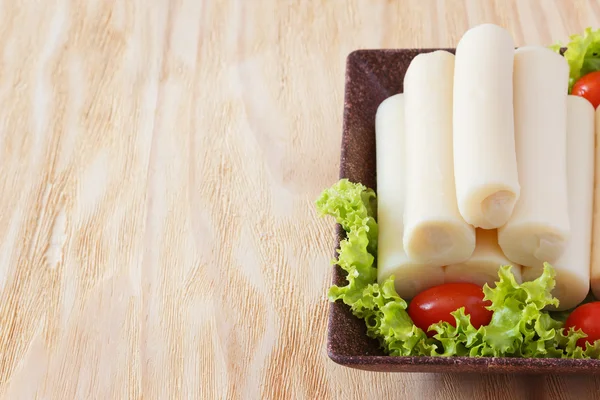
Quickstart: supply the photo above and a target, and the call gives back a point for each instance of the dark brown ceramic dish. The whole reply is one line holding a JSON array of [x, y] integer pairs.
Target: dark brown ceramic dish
[[371, 77]]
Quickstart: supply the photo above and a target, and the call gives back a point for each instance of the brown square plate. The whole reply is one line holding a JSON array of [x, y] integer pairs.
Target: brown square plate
[[371, 77]]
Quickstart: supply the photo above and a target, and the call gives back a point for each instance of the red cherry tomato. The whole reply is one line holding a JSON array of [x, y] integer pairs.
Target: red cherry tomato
[[587, 318], [435, 305], [588, 86]]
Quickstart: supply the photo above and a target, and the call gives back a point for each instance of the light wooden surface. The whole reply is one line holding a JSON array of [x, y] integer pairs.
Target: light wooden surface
[[159, 161]]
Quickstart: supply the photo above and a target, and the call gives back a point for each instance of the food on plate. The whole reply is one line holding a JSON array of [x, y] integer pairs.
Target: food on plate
[[519, 326], [573, 267], [437, 304], [434, 230], [587, 318], [391, 257], [538, 229], [482, 267], [588, 87], [485, 163], [445, 154]]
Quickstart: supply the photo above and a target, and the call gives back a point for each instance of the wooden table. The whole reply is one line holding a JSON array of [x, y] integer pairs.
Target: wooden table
[[159, 163]]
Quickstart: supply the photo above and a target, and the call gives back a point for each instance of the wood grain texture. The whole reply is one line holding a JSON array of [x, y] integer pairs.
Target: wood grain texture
[[159, 163]]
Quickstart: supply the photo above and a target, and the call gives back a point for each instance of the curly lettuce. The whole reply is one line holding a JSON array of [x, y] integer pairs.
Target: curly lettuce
[[519, 326], [353, 207], [582, 53]]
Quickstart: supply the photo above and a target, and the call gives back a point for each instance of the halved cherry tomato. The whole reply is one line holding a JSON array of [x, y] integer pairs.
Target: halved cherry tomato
[[435, 304], [588, 86], [587, 318]]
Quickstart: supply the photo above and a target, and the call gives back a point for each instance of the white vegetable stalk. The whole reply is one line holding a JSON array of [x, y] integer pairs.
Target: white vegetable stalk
[[435, 232], [485, 163], [411, 277], [538, 229]]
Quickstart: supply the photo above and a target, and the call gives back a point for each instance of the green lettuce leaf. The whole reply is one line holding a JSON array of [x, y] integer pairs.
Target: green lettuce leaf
[[355, 259], [353, 206], [591, 350], [582, 54], [568, 342], [388, 321], [519, 327]]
